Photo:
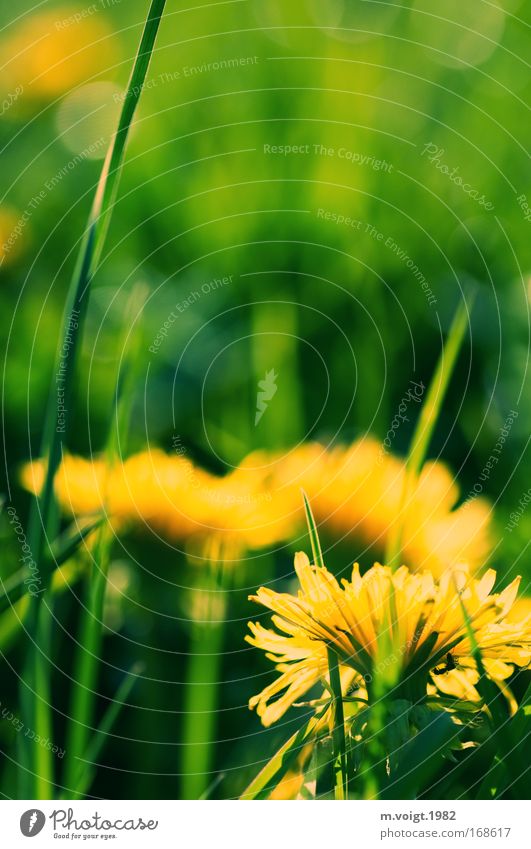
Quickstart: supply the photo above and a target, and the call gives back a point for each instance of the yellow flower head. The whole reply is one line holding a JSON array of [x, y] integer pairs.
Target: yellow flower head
[[12, 242], [218, 518], [355, 492], [53, 51], [419, 619]]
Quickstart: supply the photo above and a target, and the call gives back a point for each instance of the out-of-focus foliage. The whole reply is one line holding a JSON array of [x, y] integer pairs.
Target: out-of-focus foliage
[[291, 198]]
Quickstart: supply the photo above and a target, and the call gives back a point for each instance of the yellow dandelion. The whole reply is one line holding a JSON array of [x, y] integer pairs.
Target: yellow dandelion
[[218, 518], [422, 619], [12, 237], [354, 494], [461, 683], [521, 610], [52, 52], [356, 491]]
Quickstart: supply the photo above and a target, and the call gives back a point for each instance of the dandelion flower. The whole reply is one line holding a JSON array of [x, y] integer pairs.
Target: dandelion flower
[[52, 52], [355, 494], [218, 518], [421, 618], [11, 244]]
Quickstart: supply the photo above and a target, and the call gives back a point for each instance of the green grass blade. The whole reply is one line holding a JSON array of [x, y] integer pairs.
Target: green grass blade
[[337, 717], [15, 616], [337, 725], [85, 769], [90, 253], [118, 437], [492, 695], [71, 541], [421, 758], [514, 758], [275, 769], [14, 582], [11, 622], [63, 550], [35, 696], [314, 535], [86, 663], [44, 771], [90, 632], [43, 520], [428, 417], [495, 777], [201, 695], [322, 769], [502, 724]]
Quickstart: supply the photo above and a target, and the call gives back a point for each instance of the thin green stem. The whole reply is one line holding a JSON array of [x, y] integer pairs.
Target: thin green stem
[[337, 726], [44, 786], [90, 638], [386, 681], [43, 520], [337, 720], [487, 689], [86, 766], [201, 696], [57, 426], [315, 542], [87, 662]]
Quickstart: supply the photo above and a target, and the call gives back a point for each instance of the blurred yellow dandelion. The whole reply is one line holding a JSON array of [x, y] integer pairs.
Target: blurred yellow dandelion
[[11, 227], [218, 517], [53, 51], [356, 491]]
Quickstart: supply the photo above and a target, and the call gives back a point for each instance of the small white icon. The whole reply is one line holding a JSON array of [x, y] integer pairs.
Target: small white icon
[[268, 387], [32, 822]]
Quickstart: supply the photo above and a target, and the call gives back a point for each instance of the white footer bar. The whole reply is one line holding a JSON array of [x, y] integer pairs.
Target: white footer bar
[[266, 825]]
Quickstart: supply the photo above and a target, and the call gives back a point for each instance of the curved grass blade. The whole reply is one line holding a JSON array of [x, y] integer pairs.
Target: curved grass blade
[[15, 616], [489, 692], [90, 631], [72, 540], [337, 725], [90, 252], [43, 520], [85, 768], [312, 530], [426, 423], [276, 768], [337, 721], [62, 551]]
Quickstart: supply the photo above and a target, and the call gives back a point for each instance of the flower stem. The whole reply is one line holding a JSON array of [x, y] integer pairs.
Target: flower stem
[[337, 726], [44, 787], [90, 639], [202, 688]]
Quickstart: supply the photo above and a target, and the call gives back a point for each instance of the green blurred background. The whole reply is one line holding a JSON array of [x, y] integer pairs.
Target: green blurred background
[[366, 92]]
